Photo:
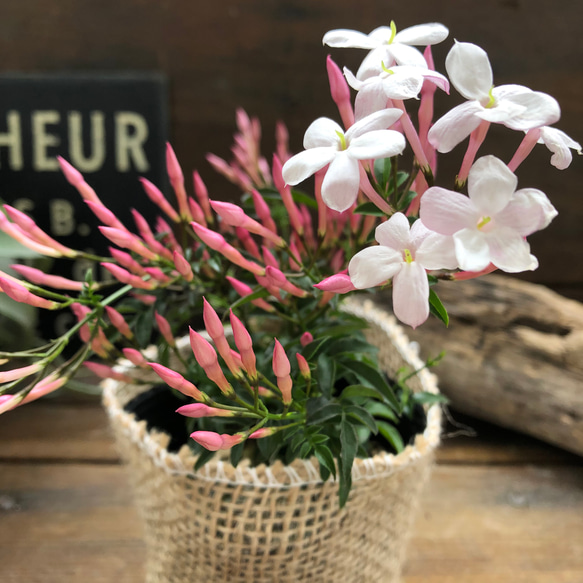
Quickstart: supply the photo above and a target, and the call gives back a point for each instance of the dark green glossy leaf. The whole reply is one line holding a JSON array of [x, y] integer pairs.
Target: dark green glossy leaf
[[348, 449], [326, 460], [437, 308], [363, 416], [324, 414], [377, 409], [326, 371], [257, 294], [361, 391], [369, 209], [305, 450], [391, 434], [203, 458], [425, 398], [303, 198], [311, 350], [237, 454]]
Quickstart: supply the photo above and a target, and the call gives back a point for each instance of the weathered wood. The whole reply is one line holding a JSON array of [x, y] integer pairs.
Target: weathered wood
[[70, 523], [513, 356]]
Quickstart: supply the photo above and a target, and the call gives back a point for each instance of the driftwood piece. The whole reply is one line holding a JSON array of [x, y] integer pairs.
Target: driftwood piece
[[514, 356]]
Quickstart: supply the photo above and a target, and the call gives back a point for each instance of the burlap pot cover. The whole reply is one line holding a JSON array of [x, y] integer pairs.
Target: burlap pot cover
[[277, 524]]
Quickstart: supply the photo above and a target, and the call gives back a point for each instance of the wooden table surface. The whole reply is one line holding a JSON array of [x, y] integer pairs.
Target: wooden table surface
[[500, 507]]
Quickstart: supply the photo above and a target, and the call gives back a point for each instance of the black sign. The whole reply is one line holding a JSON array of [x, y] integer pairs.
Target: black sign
[[112, 128]]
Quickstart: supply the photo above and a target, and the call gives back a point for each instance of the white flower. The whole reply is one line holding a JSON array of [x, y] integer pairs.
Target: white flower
[[560, 144], [327, 143], [490, 225], [515, 106], [403, 254], [398, 82], [388, 45]]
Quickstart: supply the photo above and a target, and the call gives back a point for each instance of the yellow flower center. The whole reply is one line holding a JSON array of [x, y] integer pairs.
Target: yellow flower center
[[385, 69], [408, 256], [343, 144], [491, 101], [393, 32], [483, 222]]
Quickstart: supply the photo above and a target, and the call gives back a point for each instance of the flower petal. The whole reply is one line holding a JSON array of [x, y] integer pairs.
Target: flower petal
[[344, 38], [372, 63], [403, 84], [436, 252], [373, 266], [406, 55], [469, 70], [394, 233], [370, 99], [340, 185], [560, 144], [501, 112], [491, 185], [471, 249], [304, 164], [422, 34], [446, 212], [321, 133], [352, 80], [377, 144], [380, 120], [540, 109], [509, 251], [456, 125], [529, 210], [411, 294]]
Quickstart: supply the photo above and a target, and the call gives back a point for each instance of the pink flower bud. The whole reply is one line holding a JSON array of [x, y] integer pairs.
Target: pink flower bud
[[126, 277], [213, 441], [177, 381], [127, 261], [159, 200], [198, 410], [303, 366], [20, 294], [216, 331], [281, 369], [165, 329], [248, 242], [127, 241], [202, 194], [196, 211], [157, 274], [80, 312], [182, 266], [277, 279], [40, 278], [206, 357], [340, 92], [119, 322], [244, 345], [340, 283], [74, 178], [286, 197], [147, 299], [306, 338], [263, 212], [105, 215], [177, 180], [263, 432], [135, 357], [19, 373], [106, 372], [269, 258]]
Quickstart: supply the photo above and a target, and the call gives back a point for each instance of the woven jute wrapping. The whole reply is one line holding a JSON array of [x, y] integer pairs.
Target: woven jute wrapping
[[277, 524]]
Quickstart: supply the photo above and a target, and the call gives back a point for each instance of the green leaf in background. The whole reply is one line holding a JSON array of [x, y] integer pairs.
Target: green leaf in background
[[437, 308], [326, 460], [10, 248], [382, 172], [348, 449], [369, 208], [326, 373], [424, 398], [392, 435], [362, 415], [302, 198]]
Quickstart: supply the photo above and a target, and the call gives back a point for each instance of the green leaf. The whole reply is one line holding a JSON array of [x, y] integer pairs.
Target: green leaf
[[369, 208], [326, 460], [391, 434], [361, 391], [377, 409], [375, 379], [257, 294], [318, 438], [326, 371], [363, 416], [305, 450], [424, 398], [324, 414], [302, 198], [236, 454], [143, 327], [203, 458], [406, 200], [437, 308], [382, 172], [11, 248], [315, 347], [348, 449]]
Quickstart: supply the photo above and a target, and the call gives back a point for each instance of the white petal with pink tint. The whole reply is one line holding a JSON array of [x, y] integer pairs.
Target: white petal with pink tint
[[447, 212], [491, 185], [373, 266], [340, 184], [411, 294]]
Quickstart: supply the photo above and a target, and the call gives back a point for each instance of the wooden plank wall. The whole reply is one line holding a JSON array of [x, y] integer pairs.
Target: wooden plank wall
[[267, 56]]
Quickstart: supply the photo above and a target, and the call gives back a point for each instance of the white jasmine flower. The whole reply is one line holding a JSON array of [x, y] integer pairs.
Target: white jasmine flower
[[514, 106], [560, 144], [388, 45], [327, 143], [491, 224]]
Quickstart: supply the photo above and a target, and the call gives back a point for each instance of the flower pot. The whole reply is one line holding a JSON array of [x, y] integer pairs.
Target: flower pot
[[278, 523]]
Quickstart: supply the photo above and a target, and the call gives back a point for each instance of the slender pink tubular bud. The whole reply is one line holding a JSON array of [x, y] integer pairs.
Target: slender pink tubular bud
[[337, 261], [164, 229], [270, 287], [196, 211], [282, 142], [217, 242], [303, 366], [244, 290], [269, 258], [286, 196], [126, 277], [105, 215], [264, 392], [221, 167], [128, 241], [177, 381], [106, 372], [216, 331], [281, 369], [135, 357], [213, 441], [148, 236], [244, 345], [34, 232], [340, 283], [279, 279], [22, 237], [177, 181], [20, 294], [19, 373], [234, 216], [202, 195], [156, 196], [263, 212], [340, 92], [263, 432], [157, 274], [198, 410], [248, 242], [183, 266], [119, 322], [80, 312], [39, 277], [525, 148], [75, 178], [306, 338], [165, 329], [47, 385], [147, 299], [127, 261], [206, 357]]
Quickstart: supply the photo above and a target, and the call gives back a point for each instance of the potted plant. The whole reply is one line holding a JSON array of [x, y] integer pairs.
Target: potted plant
[[273, 424]]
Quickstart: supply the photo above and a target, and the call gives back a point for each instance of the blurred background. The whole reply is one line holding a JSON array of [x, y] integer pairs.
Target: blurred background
[[267, 57]]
